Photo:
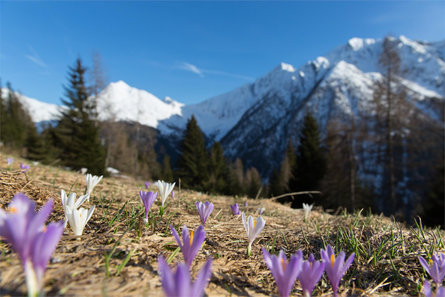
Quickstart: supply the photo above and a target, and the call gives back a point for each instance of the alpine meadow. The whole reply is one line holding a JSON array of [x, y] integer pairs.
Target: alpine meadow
[[322, 178]]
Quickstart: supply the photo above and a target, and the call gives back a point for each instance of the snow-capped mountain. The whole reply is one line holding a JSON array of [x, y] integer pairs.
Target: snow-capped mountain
[[217, 115], [38, 110], [337, 86], [256, 120], [120, 102], [346, 75]]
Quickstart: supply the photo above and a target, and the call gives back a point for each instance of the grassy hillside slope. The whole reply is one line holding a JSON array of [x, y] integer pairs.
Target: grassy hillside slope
[[385, 263]]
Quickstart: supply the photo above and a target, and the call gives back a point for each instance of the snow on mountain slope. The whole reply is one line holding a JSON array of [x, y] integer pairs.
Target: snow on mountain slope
[[265, 130], [338, 86], [257, 119], [421, 62], [38, 110], [120, 102], [422, 65], [217, 115]]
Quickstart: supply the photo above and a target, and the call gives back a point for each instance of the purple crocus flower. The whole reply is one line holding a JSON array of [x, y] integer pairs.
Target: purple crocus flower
[[24, 167], [245, 203], [147, 184], [24, 228], [335, 268], [310, 275], [178, 284], [9, 161], [285, 272], [235, 209], [437, 268], [191, 242], [440, 291], [147, 199], [204, 210]]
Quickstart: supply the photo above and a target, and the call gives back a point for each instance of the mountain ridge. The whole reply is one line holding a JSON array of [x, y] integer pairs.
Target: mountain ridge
[[261, 117]]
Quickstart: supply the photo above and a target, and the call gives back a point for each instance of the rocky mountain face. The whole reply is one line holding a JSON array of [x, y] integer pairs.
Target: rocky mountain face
[[257, 120]]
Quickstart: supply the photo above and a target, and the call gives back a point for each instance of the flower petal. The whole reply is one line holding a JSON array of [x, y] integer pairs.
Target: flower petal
[[182, 281], [202, 279], [168, 283], [176, 236], [44, 246]]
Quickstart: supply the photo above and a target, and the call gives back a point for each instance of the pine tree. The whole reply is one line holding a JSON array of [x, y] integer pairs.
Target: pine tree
[[235, 185], [253, 182], [310, 165], [289, 162], [433, 207], [35, 149], [274, 186], [49, 139], [279, 180], [192, 163], [166, 170], [77, 133], [342, 186], [218, 170], [16, 121], [3, 120]]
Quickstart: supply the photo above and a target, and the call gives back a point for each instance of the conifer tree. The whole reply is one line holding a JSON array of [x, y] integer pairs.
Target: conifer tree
[[274, 186], [16, 121], [48, 139], [390, 104], [342, 186], [35, 149], [235, 185], [218, 170], [77, 133], [166, 170], [17, 129], [2, 112], [253, 182], [279, 180], [289, 162], [310, 165], [433, 207], [193, 161]]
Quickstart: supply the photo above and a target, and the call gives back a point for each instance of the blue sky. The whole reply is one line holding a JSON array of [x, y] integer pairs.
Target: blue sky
[[190, 51]]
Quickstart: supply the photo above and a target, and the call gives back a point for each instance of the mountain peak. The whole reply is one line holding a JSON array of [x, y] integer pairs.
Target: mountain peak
[[119, 84], [285, 67], [122, 102], [358, 43]]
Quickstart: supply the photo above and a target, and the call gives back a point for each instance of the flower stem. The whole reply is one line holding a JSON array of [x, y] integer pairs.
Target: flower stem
[[31, 280], [161, 211], [249, 250]]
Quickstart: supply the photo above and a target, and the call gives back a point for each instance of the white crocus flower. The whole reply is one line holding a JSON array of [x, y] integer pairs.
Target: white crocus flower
[[91, 181], [164, 190], [79, 218], [70, 203], [307, 210], [253, 229]]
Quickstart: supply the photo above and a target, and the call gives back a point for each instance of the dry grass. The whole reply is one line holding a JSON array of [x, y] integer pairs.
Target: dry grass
[[78, 265]]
